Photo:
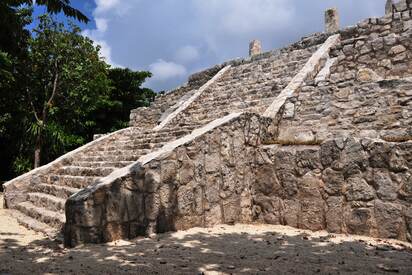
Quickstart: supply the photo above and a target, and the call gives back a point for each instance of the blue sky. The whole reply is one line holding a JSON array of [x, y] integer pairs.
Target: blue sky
[[174, 38]]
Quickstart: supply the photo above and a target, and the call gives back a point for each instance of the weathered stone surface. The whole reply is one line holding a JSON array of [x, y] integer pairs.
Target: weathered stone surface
[[255, 48], [332, 20], [334, 181], [359, 220], [334, 214], [386, 189], [389, 217], [359, 190], [332, 150]]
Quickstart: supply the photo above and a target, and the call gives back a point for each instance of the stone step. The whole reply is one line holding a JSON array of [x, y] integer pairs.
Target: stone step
[[52, 218], [47, 201], [34, 224], [114, 153], [85, 171], [139, 132], [107, 157], [151, 139], [72, 181], [157, 134], [132, 145], [228, 104], [56, 190], [94, 164]]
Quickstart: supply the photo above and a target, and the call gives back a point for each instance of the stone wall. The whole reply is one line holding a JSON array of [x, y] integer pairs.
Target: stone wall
[[201, 181], [375, 109], [164, 104], [380, 44], [227, 175], [355, 186], [368, 93]]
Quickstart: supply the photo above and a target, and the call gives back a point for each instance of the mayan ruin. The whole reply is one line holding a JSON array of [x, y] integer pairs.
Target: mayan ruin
[[316, 136]]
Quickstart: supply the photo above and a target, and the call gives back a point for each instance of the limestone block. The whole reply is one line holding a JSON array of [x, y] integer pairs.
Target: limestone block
[[329, 153], [266, 181], [397, 50], [312, 214], [334, 181], [152, 181], [379, 154], [388, 7], [397, 162], [386, 189], [212, 162], [332, 20], [255, 48], [334, 214], [186, 172], [213, 215], [310, 186], [377, 44], [291, 210], [307, 160], [289, 110], [168, 172], [359, 220], [405, 190], [289, 182], [408, 219], [400, 5], [390, 220], [152, 206], [390, 39], [358, 189], [353, 158], [231, 210]]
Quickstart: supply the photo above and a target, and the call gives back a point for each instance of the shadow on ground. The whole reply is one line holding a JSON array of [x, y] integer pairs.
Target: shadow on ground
[[221, 250]]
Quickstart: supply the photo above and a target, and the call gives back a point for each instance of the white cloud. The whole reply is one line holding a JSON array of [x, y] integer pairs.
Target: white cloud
[[105, 5], [246, 16], [106, 52], [101, 24], [163, 70], [187, 54], [192, 34], [113, 7]]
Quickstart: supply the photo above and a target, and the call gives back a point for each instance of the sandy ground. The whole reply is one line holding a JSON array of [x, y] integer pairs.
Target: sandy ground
[[239, 249]]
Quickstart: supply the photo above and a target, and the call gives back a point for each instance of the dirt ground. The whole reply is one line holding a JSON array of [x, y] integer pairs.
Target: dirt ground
[[239, 249]]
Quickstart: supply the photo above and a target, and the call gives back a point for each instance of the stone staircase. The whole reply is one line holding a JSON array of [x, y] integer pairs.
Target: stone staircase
[[247, 86], [43, 210]]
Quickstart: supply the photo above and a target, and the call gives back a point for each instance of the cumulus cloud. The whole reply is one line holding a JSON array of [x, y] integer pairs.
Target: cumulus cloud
[[163, 70], [246, 16], [106, 53], [173, 38], [187, 54]]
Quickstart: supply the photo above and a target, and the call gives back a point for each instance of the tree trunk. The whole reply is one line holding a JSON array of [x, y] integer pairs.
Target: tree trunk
[[37, 151]]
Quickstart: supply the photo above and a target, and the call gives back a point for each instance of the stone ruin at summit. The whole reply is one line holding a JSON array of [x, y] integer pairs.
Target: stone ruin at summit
[[316, 135]]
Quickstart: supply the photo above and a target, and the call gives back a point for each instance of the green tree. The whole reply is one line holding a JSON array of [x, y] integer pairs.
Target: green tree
[[68, 81], [55, 91], [126, 94], [14, 16]]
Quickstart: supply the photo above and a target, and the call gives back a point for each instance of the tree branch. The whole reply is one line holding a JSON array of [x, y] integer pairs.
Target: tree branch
[[32, 106], [53, 95]]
